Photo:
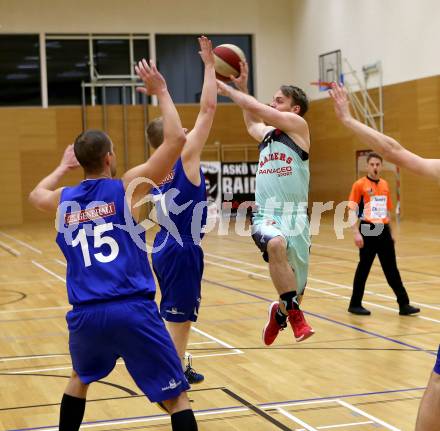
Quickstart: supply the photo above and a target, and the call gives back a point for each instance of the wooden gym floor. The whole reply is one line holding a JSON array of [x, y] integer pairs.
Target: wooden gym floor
[[356, 373]]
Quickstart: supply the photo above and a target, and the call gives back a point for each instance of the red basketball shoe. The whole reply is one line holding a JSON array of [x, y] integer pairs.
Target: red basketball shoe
[[301, 329], [272, 327]]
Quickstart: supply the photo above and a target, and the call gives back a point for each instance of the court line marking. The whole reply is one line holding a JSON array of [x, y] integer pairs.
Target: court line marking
[[252, 407], [351, 424], [138, 419], [342, 403], [205, 334], [23, 358], [217, 411], [430, 239], [25, 310], [222, 343], [367, 415], [432, 280], [428, 256], [10, 249], [23, 243], [216, 354], [319, 290], [201, 342], [39, 370], [14, 282], [332, 247], [330, 283], [39, 265], [295, 419], [328, 319], [214, 340]]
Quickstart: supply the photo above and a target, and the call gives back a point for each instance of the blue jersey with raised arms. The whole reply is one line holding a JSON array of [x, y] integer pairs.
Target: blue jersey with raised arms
[[182, 207], [103, 246]]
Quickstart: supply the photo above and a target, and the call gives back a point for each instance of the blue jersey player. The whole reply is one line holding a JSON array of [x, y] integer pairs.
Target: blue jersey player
[[109, 281], [178, 261], [428, 417]]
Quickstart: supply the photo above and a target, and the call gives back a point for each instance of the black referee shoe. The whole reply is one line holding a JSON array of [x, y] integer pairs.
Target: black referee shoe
[[407, 309], [360, 311]]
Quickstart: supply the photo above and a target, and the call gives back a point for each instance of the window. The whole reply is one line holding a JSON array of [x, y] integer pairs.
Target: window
[[179, 61], [111, 57], [20, 82], [67, 66], [104, 62], [141, 49]]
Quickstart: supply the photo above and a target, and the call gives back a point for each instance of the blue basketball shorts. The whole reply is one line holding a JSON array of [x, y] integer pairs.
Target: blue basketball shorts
[[133, 330], [179, 271]]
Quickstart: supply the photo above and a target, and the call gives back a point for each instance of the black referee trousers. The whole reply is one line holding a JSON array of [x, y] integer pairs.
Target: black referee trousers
[[382, 245]]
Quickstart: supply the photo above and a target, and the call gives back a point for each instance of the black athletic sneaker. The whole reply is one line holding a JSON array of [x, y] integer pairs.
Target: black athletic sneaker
[[360, 311], [191, 374], [406, 310]]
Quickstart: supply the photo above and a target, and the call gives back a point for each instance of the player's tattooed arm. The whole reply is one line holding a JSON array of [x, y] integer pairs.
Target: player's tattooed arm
[[46, 196], [161, 162], [198, 136], [392, 150]]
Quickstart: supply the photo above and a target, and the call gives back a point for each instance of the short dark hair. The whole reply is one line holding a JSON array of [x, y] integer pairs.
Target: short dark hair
[[155, 132], [373, 155], [298, 96], [90, 148]]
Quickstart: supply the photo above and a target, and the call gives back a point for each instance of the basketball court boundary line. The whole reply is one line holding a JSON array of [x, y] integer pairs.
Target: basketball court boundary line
[[9, 249], [231, 409], [205, 334], [346, 425], [295, 419], [330, 283], [23, 243], [326, 292], [367, 415], [255, 409], [326, 318]]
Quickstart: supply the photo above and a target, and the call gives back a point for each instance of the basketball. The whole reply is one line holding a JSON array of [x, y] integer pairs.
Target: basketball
[[227, 61]]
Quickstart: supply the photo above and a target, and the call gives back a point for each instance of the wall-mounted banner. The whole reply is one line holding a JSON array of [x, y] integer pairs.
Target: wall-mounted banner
[[212, 172], [238, 179]]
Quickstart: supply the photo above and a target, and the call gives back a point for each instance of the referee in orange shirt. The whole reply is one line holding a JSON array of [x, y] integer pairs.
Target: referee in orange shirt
[[371, 197]]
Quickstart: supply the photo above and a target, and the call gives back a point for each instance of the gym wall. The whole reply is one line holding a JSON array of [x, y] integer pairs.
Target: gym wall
[[403, 35], [32, 139], [412, 116]]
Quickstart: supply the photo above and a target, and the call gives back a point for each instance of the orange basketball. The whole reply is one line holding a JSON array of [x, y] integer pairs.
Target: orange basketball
[[227, 61]]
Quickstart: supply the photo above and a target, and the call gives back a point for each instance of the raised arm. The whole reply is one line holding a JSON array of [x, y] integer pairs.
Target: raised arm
[[387, 146], [196, 139], [46, 196], [288, 122], [163, 159], [255, 125]]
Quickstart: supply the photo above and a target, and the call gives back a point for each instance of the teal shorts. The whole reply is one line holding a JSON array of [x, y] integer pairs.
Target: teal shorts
[[295, 231]]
